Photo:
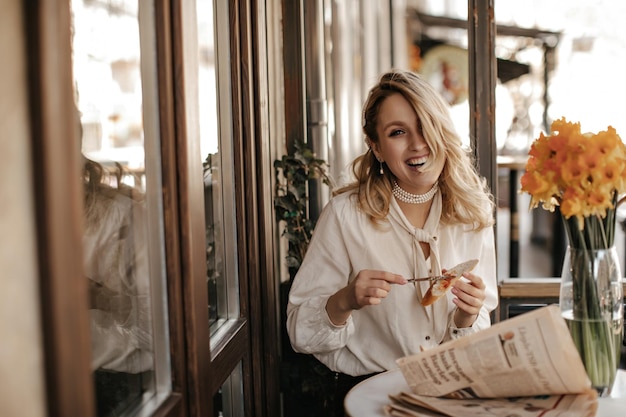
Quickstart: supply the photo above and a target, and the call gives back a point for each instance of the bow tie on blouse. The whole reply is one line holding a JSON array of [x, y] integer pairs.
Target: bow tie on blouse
[[437, 312]]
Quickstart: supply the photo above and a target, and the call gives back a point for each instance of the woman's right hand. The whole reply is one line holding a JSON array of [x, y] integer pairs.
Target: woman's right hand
[[369, 287]]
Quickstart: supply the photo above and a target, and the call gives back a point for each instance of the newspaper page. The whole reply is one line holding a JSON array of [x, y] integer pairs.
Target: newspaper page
[[529, 355], [566, 405]]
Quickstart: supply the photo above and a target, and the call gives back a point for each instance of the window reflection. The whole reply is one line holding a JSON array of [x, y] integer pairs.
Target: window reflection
[[209, 145], [116, 266], [120, 208]]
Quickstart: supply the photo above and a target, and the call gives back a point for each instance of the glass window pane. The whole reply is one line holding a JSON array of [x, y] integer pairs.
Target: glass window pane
[[115, 72], [228, 402], [215, 144]]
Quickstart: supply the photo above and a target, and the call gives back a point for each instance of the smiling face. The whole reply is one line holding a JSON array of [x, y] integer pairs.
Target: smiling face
[[401, 145]]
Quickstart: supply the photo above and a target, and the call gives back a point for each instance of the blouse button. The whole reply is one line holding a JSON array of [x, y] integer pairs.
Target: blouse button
[[427, 338], [455, 331]]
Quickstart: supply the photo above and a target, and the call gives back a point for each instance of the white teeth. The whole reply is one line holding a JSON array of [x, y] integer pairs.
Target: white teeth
[[418, 161]]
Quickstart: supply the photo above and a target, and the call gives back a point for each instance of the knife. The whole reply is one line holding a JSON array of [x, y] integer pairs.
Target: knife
[[434, 278]]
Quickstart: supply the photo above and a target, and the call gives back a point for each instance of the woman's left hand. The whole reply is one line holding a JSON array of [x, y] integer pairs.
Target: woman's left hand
[[470, 295]]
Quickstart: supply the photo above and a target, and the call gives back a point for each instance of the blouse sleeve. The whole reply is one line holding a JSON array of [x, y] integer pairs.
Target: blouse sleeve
[[324, 270]]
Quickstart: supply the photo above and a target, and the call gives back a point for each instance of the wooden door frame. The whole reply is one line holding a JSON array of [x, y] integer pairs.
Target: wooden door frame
[[256, 176], [59, 215], [58, 209], [255, 342], [195, 377]]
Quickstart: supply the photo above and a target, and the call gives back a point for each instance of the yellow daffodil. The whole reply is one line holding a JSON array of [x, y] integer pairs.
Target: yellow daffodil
[[580, 172]]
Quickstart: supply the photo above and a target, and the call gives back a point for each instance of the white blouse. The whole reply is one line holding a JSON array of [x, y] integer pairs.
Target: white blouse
[[345, 242], [116, 259]]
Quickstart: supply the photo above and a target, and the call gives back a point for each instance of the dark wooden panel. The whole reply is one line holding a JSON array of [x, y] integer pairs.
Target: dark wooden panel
[[268, 360], [241, 188], [293, 62], [245, 194], [176, 404], [231, 350], [58, 197], [190, 199], [254, 189], [481, 33]]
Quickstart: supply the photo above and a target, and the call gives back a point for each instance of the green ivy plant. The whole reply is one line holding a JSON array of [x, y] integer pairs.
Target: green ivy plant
[[293, 172], [304, 381]]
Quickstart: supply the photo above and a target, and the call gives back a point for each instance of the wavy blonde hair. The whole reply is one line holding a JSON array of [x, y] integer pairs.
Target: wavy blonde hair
[[101, 184], [465, 195]]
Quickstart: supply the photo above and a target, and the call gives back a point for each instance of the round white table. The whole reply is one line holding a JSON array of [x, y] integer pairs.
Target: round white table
[[369, 398]]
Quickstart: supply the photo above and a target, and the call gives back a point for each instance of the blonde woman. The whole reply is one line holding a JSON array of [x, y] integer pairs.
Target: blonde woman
[[417, 206]]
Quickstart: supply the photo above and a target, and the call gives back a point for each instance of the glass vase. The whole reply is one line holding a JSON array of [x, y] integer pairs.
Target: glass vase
[[591, 303]]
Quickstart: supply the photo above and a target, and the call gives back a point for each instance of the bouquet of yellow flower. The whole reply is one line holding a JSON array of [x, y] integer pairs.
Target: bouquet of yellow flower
[[584, 174], [581, 173]]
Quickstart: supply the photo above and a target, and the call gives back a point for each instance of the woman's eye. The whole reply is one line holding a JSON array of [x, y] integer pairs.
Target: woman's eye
[[396, 132]]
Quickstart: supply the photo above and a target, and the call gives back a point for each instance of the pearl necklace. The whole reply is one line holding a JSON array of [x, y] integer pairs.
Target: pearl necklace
[[407, 197]]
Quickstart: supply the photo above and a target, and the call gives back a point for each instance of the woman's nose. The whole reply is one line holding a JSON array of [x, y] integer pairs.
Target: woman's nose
[[418, 142]]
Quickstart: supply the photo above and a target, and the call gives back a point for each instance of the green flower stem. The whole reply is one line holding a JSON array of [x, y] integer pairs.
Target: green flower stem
[[592, 326]]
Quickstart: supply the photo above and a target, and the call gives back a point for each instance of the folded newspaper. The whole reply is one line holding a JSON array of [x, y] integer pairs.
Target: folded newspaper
[[524, 366]]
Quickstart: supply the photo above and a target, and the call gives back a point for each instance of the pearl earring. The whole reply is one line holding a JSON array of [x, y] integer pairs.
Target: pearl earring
[[382, 172]]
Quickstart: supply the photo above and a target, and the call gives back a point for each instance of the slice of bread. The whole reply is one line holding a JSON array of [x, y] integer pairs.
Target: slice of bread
[[439, 287]]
